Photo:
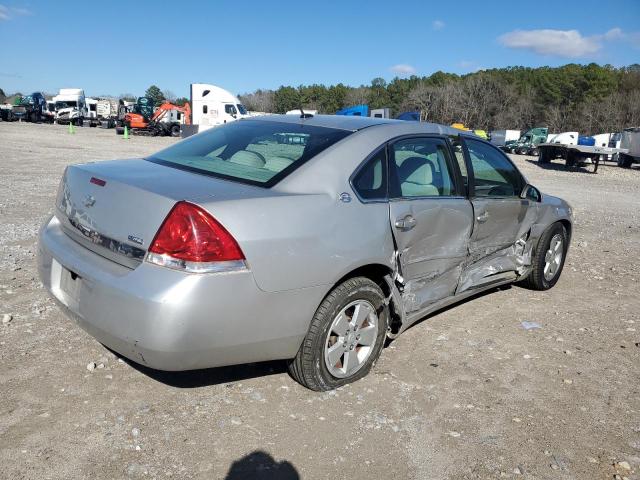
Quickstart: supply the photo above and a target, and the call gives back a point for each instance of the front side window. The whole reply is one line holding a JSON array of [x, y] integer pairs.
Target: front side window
[[422, 168], [371, 181], [494, 175], [250, 151], [230, 109]]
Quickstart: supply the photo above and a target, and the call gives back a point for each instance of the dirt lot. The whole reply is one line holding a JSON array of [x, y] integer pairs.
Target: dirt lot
[[467, 393]]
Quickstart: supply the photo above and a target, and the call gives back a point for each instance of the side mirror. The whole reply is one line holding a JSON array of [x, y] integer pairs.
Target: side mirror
[[529, 192]]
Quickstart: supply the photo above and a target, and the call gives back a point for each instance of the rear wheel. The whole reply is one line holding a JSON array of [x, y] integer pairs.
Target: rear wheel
[[624, 161], [345, 338], [549, 258], [175, 130]]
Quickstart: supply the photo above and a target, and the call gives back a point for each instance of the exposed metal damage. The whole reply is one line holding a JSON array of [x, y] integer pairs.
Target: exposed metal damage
[[483, 267]]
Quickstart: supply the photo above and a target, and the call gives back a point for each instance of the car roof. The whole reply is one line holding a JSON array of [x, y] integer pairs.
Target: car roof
[[354, 123]]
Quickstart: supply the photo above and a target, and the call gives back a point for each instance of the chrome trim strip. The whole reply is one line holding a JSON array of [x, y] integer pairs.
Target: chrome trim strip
[[107, 247]]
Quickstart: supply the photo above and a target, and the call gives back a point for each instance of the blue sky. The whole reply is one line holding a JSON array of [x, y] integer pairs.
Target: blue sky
[[113, 47]]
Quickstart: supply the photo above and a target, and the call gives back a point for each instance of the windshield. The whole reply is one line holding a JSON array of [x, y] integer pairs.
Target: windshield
[[256, 152], [241, 109], [67, 104], [26, 99]]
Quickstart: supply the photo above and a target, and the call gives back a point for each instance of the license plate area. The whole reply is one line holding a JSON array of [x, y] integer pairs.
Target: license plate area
[[65, 285]]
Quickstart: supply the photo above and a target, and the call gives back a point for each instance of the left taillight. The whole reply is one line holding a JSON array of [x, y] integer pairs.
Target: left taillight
[[190, 239]]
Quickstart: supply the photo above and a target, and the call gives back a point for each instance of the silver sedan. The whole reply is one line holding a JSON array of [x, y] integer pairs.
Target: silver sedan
[[306, 239]]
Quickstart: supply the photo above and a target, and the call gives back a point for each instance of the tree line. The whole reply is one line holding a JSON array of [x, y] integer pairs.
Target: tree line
[[589, 99]]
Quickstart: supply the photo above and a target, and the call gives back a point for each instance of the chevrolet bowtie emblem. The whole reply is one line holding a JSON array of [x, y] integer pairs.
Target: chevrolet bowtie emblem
[[89, 201]]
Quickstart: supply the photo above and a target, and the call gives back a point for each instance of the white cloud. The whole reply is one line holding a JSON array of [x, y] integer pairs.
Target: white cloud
[[403, 69], [7, 13], [469, 65], [437, 24], [613, 34], [562, 43]]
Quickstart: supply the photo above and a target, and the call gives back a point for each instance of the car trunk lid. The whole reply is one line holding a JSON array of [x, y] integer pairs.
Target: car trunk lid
[[115, 208]]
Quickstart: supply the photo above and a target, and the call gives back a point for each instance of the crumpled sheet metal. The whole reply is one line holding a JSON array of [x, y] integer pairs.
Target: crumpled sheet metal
[[440, 285], [516, 257]]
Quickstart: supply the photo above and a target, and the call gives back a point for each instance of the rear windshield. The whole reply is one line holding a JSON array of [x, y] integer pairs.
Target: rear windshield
[[250, 151]]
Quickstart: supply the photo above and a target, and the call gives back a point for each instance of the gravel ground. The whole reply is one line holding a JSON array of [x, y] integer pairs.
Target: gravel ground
[[467, 393]]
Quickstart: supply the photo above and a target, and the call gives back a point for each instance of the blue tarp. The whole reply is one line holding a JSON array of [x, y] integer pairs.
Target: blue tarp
[[355, 111]]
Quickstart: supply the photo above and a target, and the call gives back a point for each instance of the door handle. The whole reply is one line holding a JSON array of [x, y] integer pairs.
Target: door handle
[[406, 223], [483, 217]]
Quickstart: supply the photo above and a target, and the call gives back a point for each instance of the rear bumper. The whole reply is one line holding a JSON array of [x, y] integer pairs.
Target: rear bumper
[[170, 320]]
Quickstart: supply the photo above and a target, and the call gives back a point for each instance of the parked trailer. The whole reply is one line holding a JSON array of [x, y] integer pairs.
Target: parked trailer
[[107, 110], [574, 155], [500, 137], [629, 147]]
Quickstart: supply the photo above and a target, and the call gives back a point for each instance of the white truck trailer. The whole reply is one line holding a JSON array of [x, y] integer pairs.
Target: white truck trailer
[[500, 137], [629, 147], [107, 110], [212, 106]]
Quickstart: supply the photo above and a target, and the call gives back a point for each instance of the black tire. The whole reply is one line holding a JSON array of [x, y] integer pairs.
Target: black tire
[[308, 367], [175, 130], [534, 152], [536, 279], [624, 161]]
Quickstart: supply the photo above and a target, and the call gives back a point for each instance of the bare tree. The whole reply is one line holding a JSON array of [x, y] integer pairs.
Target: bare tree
[[169, 96], [357, 96], [259, 101]]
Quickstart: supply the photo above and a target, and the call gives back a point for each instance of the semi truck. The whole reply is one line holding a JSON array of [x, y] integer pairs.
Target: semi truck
[[212, 106], [528, 142], [31, 108], [629, 147], [71, 106]]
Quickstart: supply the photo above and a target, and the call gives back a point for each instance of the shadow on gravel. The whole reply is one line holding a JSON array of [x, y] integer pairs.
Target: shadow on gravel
[[261, 465], [210, 376]]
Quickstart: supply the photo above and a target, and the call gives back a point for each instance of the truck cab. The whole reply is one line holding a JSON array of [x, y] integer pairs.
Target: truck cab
[[71, 106], [527, 144], [31, 108], [211, 106]]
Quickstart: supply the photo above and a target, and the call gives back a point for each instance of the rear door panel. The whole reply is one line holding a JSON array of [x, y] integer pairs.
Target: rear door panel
[[425, 190], [431, 254]]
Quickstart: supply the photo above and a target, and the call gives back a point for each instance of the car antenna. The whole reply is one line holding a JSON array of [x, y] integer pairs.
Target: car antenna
[[305, 115]]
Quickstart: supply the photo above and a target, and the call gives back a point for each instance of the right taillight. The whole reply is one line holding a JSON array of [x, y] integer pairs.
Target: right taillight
[[191, 239]]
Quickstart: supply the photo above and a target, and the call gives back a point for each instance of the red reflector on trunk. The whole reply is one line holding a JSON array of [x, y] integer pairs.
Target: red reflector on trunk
[[97, 181]]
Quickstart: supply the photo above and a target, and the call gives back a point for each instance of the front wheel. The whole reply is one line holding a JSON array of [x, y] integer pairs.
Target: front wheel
[[549, 258], [345, 338]]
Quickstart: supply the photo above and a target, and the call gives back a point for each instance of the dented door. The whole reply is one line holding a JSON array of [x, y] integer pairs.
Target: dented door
[[431, 221], [499, 244]]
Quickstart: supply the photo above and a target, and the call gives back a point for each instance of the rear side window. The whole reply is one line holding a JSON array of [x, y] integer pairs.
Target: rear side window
[[422, 168], [370, 183], [250, 151]]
